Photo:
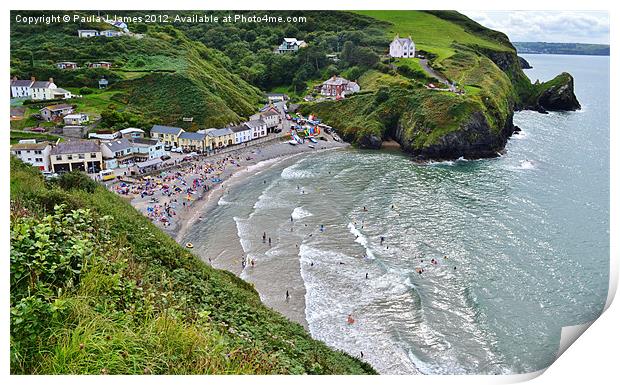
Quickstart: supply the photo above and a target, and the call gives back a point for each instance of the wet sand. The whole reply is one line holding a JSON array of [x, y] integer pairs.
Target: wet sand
[[272, 291]]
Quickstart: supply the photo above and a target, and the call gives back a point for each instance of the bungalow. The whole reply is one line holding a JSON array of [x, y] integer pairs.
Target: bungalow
[[110, 33], [75, 119], [291, 44], [258, 128], [147, 149], [33, 153], [87, 32], [193, 141], [220, 137], [83, 155], [100, 64], [242, 133], [64, 65], [117, 153], [103, 134], [55, 111], [21, 88], [338, 87], [42, 90], [277, 97], [132, 133], [168, 135], [61, 93]]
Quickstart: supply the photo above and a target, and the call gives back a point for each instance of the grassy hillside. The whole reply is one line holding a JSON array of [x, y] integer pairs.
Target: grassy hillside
[[481, 62], [97, 289], [159, 76]]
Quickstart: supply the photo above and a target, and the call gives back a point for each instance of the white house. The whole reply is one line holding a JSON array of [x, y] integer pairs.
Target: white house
[[33, 153], [42, 90], [258, 128], [131, 133], [243, 133], [110, 33], [277, 97], [55, 111], [83, 155], [21, 88], [291, 44], [63, 65], [75, 119], [117, 152], [102, 136], [402, 47], [147, 149], [87, 32], [61, 93]]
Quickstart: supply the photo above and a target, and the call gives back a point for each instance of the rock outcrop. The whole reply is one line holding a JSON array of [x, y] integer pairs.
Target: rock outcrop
[[559, 96], [474, 140], [524, 63]]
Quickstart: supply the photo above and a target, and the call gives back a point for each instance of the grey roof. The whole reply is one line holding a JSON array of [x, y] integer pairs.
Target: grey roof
[[336, 81], [130, 129], [255, 123], [240, 128], [75, 147], [41, 84], [192, 136], [57, 107], [166, 130], [30, 146], [21, 83], [145, 142], [118, 144], [269, 113], [220, 132]]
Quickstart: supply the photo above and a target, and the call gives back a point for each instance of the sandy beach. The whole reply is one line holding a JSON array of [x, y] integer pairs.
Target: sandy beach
[[179, 197]]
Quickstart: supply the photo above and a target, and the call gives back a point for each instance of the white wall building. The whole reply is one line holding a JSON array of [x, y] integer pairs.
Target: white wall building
[[33, 153], [243, 133], [258, 128], [43, 90], [21, 88], [402, 47]]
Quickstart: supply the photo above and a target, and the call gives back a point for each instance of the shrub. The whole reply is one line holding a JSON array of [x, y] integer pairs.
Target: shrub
[[86, 91], [76, 180]]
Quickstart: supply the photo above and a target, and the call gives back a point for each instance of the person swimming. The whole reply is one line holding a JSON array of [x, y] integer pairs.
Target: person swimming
[[350, 319]]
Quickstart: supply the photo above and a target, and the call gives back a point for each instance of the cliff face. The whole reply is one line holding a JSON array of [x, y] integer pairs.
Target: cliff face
[[474, 139]]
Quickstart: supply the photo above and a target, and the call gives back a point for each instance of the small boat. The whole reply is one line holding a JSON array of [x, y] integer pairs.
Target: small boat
[[292, 142], [313, 140], [189, 245], [311, 146]]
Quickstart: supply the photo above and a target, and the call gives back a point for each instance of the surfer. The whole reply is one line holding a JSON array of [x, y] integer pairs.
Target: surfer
[[269, 241], [366, 275]]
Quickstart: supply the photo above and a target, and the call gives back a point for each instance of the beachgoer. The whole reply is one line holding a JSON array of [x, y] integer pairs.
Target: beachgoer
[[382, 239], [287, 295], [264, 236], [350, 319], [366, 275]]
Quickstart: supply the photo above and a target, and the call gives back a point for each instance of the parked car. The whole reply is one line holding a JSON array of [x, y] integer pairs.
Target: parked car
[[37, 129], [165, 157], [49, 175], [178, 150]]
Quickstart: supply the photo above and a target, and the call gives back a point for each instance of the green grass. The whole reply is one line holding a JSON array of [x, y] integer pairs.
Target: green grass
[[137, 302], [17, 136], [429, 32]]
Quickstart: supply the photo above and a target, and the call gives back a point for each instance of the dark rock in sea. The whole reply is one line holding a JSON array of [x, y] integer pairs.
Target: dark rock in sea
[[524, 63], [516, 130], [370, 141], [559, 95], [473, 140]]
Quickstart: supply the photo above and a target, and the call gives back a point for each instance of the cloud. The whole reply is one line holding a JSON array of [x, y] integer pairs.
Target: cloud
[[549, 26]]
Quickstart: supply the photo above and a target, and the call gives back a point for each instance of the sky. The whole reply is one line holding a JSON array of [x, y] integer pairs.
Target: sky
[[547, 26]]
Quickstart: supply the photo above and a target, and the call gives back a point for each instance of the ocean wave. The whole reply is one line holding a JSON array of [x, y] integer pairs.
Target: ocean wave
[[362, 240], [300, 213], [223, 202], [295, 172]]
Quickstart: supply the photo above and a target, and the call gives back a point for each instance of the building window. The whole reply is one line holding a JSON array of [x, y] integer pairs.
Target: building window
[[58, 157], [38, 152], [81, 156], [93, 155], [40, 160], [69, 156], [18, 152]]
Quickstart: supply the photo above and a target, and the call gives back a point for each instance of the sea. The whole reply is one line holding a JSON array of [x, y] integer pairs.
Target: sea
[[460, 267]]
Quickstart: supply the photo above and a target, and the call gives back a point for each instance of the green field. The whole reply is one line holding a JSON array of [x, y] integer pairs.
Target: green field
[[429, 32]]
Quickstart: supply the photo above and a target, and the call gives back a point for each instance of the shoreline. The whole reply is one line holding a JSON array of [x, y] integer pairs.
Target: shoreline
[[232, 168]]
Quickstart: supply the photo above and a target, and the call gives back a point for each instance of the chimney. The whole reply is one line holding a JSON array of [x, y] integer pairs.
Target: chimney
[[33, 78], [51, 80], [14, 77]]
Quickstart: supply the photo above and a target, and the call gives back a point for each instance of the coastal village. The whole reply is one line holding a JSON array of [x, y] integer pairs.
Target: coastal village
[[167, 168]]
